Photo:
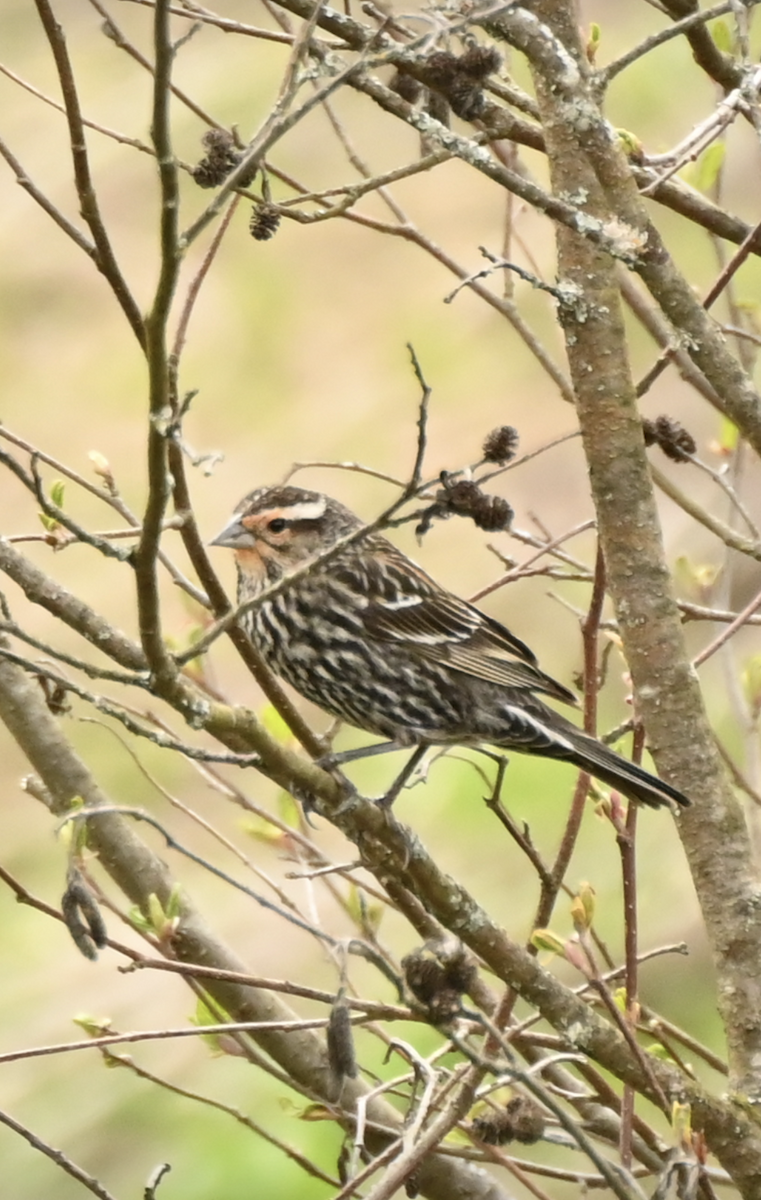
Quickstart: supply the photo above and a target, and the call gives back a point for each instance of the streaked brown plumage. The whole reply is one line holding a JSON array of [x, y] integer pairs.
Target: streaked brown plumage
[[373, 640]]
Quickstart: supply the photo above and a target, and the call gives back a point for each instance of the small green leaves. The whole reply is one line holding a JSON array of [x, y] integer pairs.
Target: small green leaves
[[545, 939], [698, 578], [93, 1026], [49, 523], [583, 908], [219, 1043], [593, 41], [631, 145], [160, 921]]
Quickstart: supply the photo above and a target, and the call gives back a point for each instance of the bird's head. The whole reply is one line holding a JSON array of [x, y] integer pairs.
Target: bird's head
[[276, 529]]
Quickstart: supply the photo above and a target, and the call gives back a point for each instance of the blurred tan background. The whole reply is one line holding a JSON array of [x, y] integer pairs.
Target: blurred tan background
[[297, 349]]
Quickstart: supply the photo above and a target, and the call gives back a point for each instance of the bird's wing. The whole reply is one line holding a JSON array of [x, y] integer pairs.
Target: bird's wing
[[439, 626]]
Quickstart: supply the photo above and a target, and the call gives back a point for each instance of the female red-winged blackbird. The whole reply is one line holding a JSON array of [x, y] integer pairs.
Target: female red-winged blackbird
[[371, 638]]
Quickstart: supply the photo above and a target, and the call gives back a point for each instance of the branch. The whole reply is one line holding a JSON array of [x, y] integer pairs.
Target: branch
[[59, 1158], [580, 117], [105, 259], [237, 728], [157, 355], [40, 589], [713, 832], [138, 872], [45, 203], [687, 24]]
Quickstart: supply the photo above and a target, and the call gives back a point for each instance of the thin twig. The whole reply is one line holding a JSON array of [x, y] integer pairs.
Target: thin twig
[[112, 31], [58, 1157], [590, 630], [306, 1164], [226, 622], [192, 295], [626, 839], [45, 203], [88, 814], [751, 243], [602, 78], [731, 629], [120, 714], [725, 533], [105, 259]]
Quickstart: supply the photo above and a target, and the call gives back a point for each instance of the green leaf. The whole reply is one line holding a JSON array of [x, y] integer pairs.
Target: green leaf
[[49, 524], [681, 1122], [136, 918], [57, 489], [583, 907], [631, 144], [578, 914], [94, 1026], [164, 921], [658, 1050], [219, 1043], [317, 1112], [204, 1016], [593, 41], [700, 578], [73, 834], [261, 830], [545, 939], [155, 912], [111, 1060]]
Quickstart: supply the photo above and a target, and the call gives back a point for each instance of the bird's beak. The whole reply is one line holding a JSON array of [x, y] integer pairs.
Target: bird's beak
[[234, 535]]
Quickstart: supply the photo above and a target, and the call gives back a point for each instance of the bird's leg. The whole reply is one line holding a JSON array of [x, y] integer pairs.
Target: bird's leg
[[388, 798], [497, 758], [328, 761], [343, 756]]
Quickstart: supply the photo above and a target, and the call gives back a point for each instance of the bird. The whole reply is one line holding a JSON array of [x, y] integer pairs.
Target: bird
[[366, 635]]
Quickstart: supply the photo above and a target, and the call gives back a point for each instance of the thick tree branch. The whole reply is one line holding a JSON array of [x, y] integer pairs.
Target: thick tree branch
[[139, 874], [714, 832], [576, 113]]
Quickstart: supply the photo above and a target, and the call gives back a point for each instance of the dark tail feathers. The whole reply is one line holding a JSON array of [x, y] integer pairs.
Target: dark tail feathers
[[634, 781]]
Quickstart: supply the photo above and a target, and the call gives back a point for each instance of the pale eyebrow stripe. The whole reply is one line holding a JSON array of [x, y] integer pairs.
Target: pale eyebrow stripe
[[308, 510]]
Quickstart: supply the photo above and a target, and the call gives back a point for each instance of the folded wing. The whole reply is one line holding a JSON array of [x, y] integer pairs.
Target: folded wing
[[449, 631]]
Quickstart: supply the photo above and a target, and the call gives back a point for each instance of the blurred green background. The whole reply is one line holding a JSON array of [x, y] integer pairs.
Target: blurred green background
[[298, 350]]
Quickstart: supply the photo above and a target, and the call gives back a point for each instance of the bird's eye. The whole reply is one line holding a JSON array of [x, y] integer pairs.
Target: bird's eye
[[277, 525]]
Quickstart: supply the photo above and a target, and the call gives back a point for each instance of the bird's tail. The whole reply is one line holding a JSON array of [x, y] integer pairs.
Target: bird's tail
[[534, 728], [620, 773]]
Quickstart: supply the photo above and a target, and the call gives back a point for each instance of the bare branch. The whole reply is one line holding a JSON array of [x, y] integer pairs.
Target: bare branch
[[104, 258]]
